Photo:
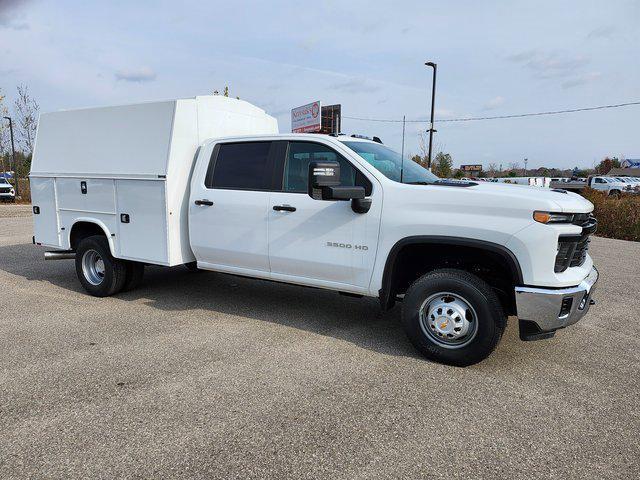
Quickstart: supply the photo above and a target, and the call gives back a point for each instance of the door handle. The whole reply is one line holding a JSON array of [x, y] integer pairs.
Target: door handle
[[206, 202], [284, 208]]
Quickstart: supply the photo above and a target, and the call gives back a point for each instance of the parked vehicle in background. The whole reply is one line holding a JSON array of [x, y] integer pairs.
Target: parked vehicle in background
[[210, 183], [531, 181], [633, 182], [7, 192], [609, 185]]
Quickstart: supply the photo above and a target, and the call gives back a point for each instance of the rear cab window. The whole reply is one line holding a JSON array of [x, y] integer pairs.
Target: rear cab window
[[240, 166]]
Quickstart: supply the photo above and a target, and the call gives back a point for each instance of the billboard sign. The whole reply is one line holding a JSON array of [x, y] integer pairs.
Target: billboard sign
[[306, 118], [331, 116], [471, 168]]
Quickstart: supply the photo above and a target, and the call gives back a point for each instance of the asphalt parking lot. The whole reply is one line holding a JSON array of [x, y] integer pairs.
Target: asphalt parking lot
[[211, 376]]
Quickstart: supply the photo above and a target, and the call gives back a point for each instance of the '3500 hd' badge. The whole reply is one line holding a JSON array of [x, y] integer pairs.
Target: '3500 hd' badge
[[347, 245]]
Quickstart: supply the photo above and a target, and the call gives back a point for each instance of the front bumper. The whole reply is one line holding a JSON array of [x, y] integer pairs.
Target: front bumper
[[7, 196], [550, 309]]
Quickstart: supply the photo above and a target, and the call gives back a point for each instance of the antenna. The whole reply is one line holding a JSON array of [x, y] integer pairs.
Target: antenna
[[402, 158]]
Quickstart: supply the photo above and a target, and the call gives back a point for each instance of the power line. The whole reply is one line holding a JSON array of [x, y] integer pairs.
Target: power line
[[520, 115]]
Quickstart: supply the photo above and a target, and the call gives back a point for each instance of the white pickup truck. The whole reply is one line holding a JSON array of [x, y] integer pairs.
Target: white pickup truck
[[610, 185], [210, 183]]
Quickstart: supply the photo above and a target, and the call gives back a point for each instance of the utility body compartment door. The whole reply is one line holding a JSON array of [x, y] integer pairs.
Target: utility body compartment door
[[142, 220], [45, 222]]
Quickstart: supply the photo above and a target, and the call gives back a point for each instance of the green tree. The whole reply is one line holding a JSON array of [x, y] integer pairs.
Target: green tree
[[443, 165]]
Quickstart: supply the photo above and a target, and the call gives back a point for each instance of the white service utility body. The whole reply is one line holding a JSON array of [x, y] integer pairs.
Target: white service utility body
[[99, 164], [210, 183]]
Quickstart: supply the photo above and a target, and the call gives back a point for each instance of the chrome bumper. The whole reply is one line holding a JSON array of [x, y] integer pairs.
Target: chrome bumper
[[551, 309]]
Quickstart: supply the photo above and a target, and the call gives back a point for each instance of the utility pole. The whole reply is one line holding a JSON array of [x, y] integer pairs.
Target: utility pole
[[525, 166], [13, 156], [433, 99]]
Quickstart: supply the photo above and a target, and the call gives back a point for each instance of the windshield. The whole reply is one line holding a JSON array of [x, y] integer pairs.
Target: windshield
[[389, 163], [3, 180]]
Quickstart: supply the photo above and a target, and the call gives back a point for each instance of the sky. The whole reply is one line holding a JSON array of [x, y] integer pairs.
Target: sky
[[494, 58]]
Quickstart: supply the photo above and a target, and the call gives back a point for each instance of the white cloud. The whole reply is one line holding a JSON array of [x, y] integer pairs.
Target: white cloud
[[356, 85], [495, 102], [581, 80], [8, 21], [549, 64], [141, 74], [606, 31]]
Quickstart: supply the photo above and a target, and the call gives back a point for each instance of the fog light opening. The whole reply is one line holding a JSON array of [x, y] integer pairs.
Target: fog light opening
[[565, 307]]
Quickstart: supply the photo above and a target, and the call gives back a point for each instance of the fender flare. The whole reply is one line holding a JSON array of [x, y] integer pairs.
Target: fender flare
[[100, 224], [387, 299]]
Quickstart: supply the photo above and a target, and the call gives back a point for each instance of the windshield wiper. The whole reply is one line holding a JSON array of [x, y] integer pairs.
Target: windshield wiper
[[419, 183]]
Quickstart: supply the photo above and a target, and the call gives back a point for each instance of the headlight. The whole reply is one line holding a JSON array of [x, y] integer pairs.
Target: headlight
[[12, 191], [550, 217]]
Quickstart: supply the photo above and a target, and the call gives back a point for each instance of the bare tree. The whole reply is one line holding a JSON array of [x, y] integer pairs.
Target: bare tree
[[5, 145], [492, 170], [26, 120], [423, 146]]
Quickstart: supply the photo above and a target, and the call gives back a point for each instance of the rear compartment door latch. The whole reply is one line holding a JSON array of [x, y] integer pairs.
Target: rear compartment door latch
[[124, 218]]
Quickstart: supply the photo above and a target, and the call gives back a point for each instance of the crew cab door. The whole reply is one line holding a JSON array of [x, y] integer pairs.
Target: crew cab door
[[229, 208], [318, 242]]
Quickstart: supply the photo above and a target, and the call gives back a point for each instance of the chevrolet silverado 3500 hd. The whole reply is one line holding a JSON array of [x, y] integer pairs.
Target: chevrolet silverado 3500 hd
[[210, 183]]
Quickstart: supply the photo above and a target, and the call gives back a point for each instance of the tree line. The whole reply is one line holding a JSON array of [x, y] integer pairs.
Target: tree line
[[24, 116], [442, 166]]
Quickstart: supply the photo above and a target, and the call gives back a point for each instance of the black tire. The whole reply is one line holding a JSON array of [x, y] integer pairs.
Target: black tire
[[615, 193], [476, 293], [114, 272], [135, 273]]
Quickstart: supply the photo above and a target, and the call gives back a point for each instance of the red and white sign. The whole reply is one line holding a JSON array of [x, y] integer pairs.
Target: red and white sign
[[306, 118]]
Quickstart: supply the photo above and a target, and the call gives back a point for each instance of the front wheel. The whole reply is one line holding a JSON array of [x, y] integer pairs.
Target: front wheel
[[99, 272], [453, 317]]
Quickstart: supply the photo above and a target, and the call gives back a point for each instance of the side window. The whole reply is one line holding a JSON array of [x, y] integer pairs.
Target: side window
[[598, 180], [240, 166], [296, 167]]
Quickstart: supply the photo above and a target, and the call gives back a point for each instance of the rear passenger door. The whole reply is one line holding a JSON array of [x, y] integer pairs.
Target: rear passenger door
[[229, 209]]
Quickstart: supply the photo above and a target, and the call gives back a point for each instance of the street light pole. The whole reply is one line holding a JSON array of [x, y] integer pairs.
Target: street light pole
[[13, 156], [525, 166], [433, 99]]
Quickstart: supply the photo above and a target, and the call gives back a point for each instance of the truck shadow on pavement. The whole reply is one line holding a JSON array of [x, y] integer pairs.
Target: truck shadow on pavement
[[359, 321]]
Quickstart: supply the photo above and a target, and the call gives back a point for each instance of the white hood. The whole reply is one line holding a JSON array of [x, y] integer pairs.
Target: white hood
[[565, 201]]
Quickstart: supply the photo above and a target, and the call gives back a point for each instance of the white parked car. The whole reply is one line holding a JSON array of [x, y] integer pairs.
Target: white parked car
[[209, 182], [7, 192], [609, 185]]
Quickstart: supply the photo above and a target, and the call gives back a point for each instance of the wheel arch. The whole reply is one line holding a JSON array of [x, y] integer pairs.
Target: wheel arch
[[388, 291], [84, 227]]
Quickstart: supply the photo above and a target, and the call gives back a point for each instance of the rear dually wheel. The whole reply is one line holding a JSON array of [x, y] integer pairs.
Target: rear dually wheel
[[99, 272]]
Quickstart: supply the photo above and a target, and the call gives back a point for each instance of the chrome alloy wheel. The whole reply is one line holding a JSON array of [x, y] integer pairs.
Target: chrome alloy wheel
[[93, 267], [448, 319]]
